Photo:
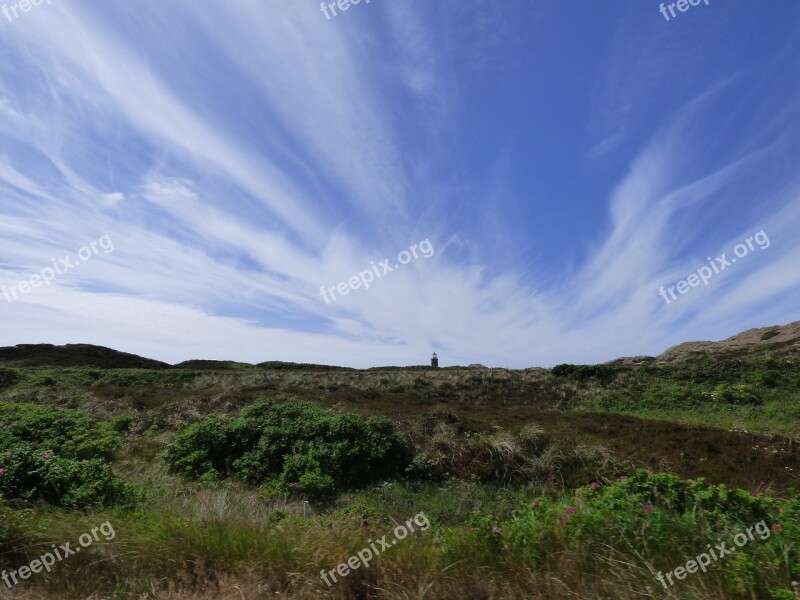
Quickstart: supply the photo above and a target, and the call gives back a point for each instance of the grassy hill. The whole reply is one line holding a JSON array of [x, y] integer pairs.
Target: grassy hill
[[577, 481], [73, 355]]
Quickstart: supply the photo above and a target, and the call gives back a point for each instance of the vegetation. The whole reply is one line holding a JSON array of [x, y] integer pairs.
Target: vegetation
[[581, 481], [58, 456], [294, 446]]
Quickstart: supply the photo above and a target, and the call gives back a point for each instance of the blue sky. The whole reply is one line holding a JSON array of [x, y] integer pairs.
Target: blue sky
[[564, 162]]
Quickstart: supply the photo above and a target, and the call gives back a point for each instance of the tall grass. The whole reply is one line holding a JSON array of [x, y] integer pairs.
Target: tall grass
[[610, 545]]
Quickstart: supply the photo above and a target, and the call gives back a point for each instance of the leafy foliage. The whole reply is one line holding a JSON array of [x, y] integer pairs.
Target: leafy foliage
[[30, 474], [668, 520], [58, 456], [585, 372], [72, 433], [737, 394], [296, 445]]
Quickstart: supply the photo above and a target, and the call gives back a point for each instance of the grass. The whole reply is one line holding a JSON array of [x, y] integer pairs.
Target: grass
[[202, 543], [488, 444]]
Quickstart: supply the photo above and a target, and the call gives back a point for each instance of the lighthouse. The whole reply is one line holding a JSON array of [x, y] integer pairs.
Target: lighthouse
[[434, 360]]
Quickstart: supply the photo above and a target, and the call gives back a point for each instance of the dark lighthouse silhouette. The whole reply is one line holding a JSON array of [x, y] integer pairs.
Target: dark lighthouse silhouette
[[434, 360]]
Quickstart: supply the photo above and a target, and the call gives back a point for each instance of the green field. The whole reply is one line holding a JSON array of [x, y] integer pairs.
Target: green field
[[575, 482]]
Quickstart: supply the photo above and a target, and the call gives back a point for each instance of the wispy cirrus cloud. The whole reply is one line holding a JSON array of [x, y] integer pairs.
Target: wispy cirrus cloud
[[243, 155]]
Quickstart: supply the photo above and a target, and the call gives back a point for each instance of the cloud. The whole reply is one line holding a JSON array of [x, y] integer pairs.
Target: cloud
[[241, 156]]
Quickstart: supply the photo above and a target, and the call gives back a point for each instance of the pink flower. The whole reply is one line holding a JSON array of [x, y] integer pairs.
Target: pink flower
[[623, 477], [46, 455], [776, 527], [753, 494], [2, 471], [536, 504], [496, 530], [564, 519], [468, 530], [570, 511], [648, 508], [595, 485]]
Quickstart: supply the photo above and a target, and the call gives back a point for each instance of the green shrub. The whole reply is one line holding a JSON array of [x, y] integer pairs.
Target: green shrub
[[69, 432], [720, 505], [584, 372], [676, 394], [28, 474], [315, 484], [666, 520], [122, 423], [59, 456], [424, 468], [298, 446], [210, 446], [738, 394]]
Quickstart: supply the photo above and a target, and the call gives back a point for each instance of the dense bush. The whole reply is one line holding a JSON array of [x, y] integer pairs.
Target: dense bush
[[668, 520], [720, 505], [297, 446], [737, 394], [676, 394], [69, 432], [208, 448], [29, 474], [584, 372], [59, 456]]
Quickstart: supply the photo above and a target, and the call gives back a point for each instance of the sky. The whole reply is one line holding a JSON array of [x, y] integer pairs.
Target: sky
[[521, 183]]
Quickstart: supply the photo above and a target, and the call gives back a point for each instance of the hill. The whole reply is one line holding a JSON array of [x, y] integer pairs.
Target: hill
[[74, 355], [773, 341], [227, 480], [777, 340]]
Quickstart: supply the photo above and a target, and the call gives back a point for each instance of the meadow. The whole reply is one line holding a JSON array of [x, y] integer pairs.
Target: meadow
[[575, 482]]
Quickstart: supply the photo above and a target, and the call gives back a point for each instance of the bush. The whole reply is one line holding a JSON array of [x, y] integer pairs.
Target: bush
[[720, 505], [208, 448], [297, 446], [677, 394], [738, 394], [424, 468], [72, 433], [122, 423], [666, 518], [29, 474], [584, 372], [317, 485], [59, 456]]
